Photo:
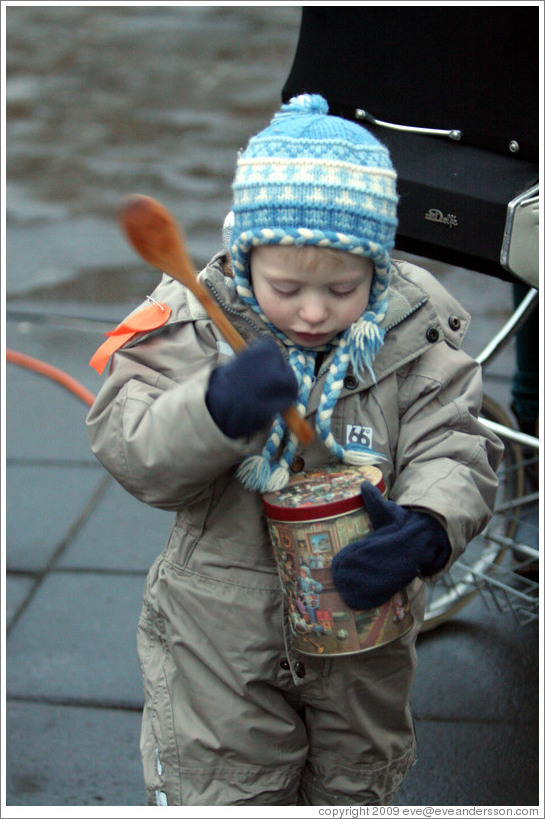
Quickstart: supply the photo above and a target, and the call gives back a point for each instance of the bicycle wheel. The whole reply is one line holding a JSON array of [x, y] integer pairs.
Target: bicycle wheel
[[452, 592]]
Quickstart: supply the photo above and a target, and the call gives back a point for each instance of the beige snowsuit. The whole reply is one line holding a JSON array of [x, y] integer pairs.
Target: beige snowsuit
[[233, 715]]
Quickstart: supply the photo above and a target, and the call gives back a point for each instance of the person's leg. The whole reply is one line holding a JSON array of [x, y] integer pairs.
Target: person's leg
[[217, 730], [360, 728]]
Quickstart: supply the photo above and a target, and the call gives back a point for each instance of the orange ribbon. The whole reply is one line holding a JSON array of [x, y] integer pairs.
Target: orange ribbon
[[145, 320]]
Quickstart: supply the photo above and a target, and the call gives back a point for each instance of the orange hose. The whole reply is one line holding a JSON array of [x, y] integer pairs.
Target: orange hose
[[42, 368]]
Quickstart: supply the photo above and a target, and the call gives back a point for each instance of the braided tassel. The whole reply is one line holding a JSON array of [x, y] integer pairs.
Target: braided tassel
[[255, 471], [365, 338], [302, 363], [356, 454], [261, 472]]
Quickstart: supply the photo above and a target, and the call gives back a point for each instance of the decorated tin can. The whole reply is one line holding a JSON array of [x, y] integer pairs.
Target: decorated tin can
[[309, 521]]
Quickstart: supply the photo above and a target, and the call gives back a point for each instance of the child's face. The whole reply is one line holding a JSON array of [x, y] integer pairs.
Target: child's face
[[311, 294]]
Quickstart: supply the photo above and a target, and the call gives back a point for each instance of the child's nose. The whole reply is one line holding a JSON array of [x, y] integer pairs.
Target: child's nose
[[313, 311]]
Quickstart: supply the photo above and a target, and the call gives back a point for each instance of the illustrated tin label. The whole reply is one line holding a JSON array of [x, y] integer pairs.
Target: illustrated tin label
[[309, 521]]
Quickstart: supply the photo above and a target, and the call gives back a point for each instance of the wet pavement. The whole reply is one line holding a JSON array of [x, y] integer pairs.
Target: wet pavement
[[83, 131]]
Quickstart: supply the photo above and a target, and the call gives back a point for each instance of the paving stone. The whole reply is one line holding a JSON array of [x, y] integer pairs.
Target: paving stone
[[18, 587], [43, 503], [474, 763], [43, 421], [478, 666], [72, 756], [77, 641]]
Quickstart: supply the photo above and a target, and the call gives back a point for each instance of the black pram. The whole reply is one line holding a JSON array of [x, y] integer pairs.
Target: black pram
[[453, 92]]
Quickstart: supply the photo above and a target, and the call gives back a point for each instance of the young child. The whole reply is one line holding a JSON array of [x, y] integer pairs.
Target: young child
[[233, 715]]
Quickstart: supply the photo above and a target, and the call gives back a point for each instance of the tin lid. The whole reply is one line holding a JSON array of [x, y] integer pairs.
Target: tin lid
[[321, 493]]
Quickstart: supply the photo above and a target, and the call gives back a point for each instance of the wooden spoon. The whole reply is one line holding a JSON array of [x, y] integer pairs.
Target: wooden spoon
[[155, 235]]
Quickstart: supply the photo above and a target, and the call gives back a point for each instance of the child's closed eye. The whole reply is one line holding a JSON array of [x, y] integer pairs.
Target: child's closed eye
[[285, 290], [342, 292]]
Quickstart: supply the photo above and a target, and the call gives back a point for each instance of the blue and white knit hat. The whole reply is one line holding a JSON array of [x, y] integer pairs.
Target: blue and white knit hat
[[314, 179]]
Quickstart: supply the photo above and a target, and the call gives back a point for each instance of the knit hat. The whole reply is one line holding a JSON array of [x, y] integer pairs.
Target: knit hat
[[314, 179]]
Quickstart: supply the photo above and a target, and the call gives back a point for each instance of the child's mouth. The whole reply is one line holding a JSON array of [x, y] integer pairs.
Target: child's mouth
[[312, 338]]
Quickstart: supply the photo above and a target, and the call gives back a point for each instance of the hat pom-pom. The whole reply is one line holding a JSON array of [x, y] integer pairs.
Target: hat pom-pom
[[306, 104]]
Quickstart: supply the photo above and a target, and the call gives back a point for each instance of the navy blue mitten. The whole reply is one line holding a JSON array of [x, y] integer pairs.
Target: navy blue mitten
[[405, 544], [245, 394]]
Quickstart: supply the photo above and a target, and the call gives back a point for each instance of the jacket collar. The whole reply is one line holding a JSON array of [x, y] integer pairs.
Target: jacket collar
[[421, 314]]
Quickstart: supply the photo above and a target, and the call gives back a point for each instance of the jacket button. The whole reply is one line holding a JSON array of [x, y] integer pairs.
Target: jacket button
[[300, 669], [432, 334], [284, 664], [454, 323], [350, 382], [298, 464]]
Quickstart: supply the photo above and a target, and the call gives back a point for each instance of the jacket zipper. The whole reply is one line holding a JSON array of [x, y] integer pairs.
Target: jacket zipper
[[225, 307]]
